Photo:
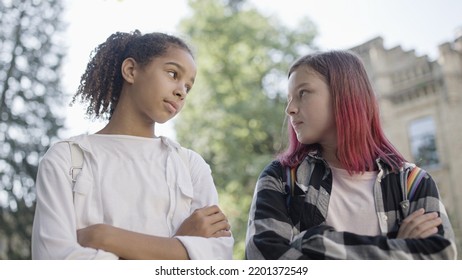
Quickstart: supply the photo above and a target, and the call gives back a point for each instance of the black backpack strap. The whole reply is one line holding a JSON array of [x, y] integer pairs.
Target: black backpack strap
[[290, 185]]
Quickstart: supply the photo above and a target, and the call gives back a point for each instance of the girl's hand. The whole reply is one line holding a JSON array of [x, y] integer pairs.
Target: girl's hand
[[419, 225], [205, 222]]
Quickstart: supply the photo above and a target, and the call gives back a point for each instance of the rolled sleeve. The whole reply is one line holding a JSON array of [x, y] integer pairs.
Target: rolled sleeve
[[200, 248]]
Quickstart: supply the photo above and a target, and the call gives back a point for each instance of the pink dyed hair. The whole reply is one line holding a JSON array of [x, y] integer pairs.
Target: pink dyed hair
[[361, 139]]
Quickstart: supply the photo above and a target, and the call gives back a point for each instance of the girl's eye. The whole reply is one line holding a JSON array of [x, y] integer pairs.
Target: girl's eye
[[302, 92], [173, 74]]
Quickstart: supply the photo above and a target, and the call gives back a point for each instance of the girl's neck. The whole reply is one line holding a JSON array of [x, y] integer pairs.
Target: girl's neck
[[126, 126], [334, 162], [125, 120], [330, 155]]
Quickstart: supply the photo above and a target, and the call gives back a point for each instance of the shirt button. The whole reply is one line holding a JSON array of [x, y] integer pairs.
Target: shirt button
[[384, 217]]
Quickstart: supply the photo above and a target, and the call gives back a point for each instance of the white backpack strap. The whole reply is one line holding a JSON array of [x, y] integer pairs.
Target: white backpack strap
[[76, 160]]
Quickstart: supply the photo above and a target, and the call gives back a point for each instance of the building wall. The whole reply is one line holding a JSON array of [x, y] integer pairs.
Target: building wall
[[411, 87]]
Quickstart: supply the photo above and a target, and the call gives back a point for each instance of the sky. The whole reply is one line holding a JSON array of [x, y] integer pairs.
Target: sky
[[419, 25]]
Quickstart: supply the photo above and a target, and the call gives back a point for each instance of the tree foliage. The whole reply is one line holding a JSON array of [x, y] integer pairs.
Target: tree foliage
[[30, 95], [235, 113]]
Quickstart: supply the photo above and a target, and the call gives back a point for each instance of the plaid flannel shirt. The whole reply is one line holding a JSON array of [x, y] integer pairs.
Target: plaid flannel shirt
[[285, 226]]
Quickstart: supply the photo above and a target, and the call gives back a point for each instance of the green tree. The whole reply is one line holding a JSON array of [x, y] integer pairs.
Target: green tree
[[30, 98], [235, 114]]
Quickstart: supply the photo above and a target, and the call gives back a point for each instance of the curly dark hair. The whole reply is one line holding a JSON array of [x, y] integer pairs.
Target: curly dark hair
[[101, 84]]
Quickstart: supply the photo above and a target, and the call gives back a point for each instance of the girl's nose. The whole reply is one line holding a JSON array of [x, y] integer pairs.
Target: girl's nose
[[181, 92], [291, 108]]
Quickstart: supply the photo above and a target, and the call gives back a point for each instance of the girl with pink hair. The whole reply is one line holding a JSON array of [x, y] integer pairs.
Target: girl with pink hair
[[341, 190]]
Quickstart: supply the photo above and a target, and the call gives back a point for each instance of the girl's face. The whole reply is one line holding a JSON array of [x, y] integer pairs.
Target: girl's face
[[158, 90], [310, 108]]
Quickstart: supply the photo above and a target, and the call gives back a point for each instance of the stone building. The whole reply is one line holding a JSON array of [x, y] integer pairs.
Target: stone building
[[421, 108]]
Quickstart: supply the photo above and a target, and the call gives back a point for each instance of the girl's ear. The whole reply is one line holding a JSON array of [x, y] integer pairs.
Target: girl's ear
[[128, 70]]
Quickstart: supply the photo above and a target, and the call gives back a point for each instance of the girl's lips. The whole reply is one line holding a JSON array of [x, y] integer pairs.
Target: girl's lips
[[172, 106], [296, 123]]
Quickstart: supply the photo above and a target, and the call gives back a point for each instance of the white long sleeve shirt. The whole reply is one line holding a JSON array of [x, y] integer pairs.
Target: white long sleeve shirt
[[135, 183]]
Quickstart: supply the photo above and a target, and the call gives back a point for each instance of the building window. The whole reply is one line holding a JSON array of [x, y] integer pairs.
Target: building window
[[422, 134]]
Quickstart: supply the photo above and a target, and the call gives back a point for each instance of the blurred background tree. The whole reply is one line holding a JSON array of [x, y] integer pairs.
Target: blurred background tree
[[235, 114], [30, 102]]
